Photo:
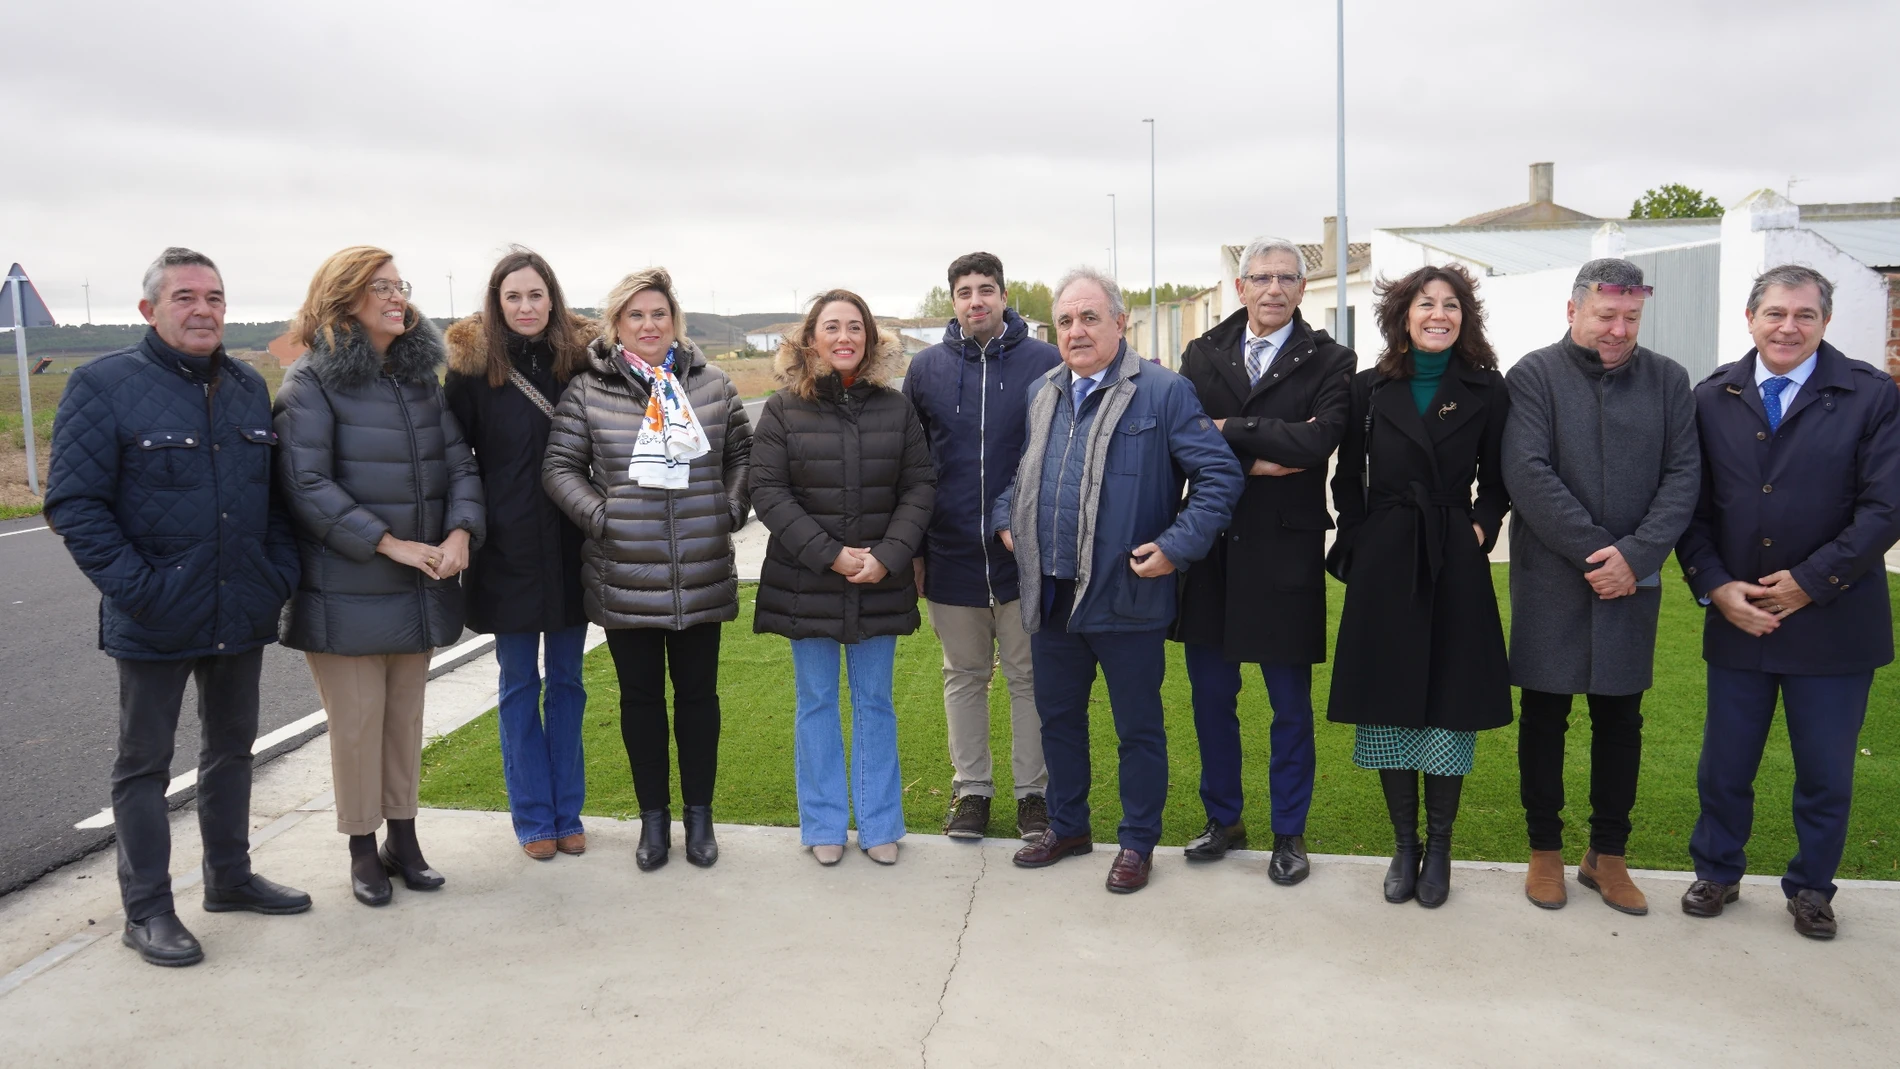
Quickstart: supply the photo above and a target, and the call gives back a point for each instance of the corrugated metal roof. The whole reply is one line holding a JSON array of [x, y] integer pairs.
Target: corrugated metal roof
[[1874, 242], [1514, 250]]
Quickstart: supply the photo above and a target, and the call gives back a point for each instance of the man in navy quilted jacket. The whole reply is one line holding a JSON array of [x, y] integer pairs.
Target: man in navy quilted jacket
[[161, 486]]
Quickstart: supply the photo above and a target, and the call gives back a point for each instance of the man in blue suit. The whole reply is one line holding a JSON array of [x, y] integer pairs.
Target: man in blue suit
[[1800, 502], [1098, 524]]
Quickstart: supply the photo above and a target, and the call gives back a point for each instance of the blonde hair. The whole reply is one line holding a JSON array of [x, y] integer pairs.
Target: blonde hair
[[623, 293], [334, 292]]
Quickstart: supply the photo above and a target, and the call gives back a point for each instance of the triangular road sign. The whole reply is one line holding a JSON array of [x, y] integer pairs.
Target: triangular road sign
[[31, 306]]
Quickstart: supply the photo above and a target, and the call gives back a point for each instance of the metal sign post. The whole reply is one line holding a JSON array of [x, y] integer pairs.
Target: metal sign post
[[24, 308]]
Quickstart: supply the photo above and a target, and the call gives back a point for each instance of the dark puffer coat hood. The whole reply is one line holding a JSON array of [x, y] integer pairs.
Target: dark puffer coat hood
[[367, 452], [653, 558]]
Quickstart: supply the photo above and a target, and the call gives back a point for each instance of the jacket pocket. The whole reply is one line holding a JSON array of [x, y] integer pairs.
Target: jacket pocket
[[1128, 447], [257, 453], [1138, 598], [168, 459]]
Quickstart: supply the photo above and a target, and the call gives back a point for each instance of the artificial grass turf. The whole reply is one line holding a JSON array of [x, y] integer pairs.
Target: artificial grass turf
[[463, 769]]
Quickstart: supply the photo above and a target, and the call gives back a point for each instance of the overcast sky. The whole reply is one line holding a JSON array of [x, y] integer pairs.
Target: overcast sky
[[762, 150]]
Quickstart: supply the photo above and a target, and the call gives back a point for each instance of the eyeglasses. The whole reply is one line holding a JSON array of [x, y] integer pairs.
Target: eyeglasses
[[1617, 289], [383, 289], [1287, 282]]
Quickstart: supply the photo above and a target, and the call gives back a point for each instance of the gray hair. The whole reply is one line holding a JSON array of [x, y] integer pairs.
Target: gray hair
[[1090, 274], [1792, 276], [1265, 246], [174, 256], [1611, 269]]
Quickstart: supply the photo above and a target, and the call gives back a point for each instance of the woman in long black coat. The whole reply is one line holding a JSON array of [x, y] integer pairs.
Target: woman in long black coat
[[508, 364], [1420, 665]]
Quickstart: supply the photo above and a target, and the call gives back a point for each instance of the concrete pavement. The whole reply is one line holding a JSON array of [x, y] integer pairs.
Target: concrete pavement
[[952, 958]]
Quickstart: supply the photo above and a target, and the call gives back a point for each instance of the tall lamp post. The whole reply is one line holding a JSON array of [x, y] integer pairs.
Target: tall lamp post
[[1114, 243], [1154, 257], [1342, 317]]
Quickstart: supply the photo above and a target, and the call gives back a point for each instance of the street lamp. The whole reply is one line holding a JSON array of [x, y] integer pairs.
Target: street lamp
[[1342, 318], [1154, 257], [1114, 244]]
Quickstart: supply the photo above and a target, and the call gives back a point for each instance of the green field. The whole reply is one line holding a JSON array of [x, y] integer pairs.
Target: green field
[[463, 770]]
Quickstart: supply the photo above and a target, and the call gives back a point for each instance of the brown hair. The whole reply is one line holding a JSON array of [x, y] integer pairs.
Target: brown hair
[[1393, 309], [623, 293], [334, 292], [570, 353], [797, 365]]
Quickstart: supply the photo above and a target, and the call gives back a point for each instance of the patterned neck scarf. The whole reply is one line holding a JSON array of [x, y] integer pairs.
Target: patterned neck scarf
[[670, 436]]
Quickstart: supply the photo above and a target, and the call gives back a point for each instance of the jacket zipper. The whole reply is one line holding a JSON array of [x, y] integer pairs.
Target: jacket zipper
[[217, 494], [1075, 417], [422, 508], [982, 465]]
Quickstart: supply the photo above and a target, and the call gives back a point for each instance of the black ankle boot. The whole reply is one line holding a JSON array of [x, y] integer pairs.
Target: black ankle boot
[[1401, 804], [368, 882], [656, 837], [1441, 811], [701, 848], [402, 855]]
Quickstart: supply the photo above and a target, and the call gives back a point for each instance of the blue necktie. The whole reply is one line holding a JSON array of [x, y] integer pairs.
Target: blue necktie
[[1082, 388], [1256, 349], [1771, 399]]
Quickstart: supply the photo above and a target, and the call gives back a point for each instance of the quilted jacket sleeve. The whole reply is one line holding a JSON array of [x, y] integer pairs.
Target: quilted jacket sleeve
[[82, 485], [568, 462], [738, 457], [306, 469], [465, 511]]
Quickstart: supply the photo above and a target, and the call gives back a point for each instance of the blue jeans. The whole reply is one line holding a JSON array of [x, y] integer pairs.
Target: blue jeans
[[825, 791], [1216, 688], [541, 765]]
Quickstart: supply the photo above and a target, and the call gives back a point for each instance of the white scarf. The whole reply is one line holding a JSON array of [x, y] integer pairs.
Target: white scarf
[[670, 436]]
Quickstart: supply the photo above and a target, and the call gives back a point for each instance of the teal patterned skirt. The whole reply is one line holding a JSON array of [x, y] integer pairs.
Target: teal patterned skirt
[[1432, 750]]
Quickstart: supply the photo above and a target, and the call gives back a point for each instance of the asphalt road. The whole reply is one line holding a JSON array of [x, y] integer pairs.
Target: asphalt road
[[59, 707]]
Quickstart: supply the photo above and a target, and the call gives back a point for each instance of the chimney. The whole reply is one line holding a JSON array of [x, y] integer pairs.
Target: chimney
[[1543, 183], [1329, 244]]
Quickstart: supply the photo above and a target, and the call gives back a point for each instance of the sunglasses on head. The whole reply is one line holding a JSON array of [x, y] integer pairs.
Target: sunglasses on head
[[1617, 289]]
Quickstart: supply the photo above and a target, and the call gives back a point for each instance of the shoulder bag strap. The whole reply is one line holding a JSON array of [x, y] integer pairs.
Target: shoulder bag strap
[[527, 390]]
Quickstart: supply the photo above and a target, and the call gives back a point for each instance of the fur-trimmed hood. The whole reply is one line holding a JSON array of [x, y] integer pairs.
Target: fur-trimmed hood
[[414, 356], [800, 370], [468, 356]]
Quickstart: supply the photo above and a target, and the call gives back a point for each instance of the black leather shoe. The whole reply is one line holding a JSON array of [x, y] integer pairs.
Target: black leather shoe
[[1813, 915], [701, 848], [417, 877], [368, 882], [1401, 877], [1216, 839], [163, 940], [257, 895], [1705, 898], [1441, 813], [1289, 865], [656, 838]]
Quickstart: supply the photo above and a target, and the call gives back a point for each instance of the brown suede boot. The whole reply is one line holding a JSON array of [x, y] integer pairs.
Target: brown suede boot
[[1608, 876], [1544, 883]]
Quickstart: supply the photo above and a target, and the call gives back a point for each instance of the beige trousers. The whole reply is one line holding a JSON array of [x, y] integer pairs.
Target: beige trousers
[[974, 641], [374, 705]]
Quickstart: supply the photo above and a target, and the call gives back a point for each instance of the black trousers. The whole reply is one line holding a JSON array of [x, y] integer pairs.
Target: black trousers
[[644, 657], [151, 694], [1616, 756]]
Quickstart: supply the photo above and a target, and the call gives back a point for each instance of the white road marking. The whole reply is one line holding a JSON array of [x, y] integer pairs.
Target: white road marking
[[23, 530], [189, 778]]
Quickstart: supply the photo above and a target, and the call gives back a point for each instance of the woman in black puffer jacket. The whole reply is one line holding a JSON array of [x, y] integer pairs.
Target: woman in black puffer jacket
[[656, 569], [841, 475], [388, 504]]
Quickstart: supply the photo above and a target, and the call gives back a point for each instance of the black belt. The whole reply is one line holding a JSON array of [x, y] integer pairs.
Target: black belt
[[1429, 521]]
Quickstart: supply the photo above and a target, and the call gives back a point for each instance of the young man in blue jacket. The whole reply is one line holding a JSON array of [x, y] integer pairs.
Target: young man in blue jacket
[[971, 391], [161, 486], [1800, 503], [1099, 526]]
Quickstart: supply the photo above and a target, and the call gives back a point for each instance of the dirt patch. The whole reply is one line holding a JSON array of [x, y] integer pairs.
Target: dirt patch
[[751, 375]]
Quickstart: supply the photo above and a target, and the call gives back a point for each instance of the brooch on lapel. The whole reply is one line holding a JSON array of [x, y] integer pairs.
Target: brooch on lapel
[[1447, 409]]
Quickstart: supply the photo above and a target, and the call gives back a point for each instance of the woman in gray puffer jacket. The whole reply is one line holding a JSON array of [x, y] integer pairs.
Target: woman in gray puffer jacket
[[656, 480], [388, 504]]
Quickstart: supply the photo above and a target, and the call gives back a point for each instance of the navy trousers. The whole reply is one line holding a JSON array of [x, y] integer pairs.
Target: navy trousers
[[1824, 717], [1216, 684], [1132, 663]]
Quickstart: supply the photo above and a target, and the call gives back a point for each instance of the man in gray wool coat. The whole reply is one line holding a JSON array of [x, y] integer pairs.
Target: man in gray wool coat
[[1601, 458]]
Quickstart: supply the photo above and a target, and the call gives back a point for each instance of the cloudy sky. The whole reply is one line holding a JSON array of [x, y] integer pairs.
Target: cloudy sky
[[763, 150]]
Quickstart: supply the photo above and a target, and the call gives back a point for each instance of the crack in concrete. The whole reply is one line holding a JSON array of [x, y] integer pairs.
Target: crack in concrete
[[923, 1045]]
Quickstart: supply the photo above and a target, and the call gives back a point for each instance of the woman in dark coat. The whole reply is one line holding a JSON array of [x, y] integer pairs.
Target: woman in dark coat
[[648, 455], [841, 475], [508, 364], [1420, 665], [388, 506]]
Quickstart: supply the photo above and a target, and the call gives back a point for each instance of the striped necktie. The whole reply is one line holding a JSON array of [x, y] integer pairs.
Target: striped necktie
[[1256, 362]]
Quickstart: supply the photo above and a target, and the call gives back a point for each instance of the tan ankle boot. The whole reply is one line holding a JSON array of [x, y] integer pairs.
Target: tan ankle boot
[[1544, 883], [1608, 876]]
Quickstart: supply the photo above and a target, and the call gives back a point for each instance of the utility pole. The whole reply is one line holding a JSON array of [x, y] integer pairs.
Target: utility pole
[[451, 295], [1154, 256], [1342, 318], [87, 286], [1114, 243]]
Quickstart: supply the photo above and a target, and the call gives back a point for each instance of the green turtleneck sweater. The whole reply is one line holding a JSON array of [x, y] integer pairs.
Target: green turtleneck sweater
[[1427, 369]]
